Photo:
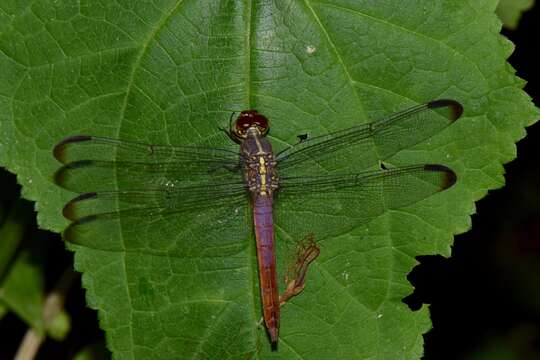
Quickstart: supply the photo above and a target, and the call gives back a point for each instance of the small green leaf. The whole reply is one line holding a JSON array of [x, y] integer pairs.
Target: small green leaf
[[171, 72], [96, 351], [11, 233], [3, 310], [21, 285], [59, 326], [22, 290], [510, 11]]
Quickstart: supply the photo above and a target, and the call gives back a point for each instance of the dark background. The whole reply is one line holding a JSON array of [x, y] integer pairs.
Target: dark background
[[484, 300]]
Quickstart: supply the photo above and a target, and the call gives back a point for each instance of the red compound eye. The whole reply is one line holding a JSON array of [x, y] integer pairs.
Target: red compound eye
[[247, 119]]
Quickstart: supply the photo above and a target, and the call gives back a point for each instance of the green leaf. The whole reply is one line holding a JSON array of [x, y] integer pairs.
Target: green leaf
[[60, 325], [96, 351], [21, 280], [11, 233], [171, 72], [3, 311], [22, 290], [510, 11]]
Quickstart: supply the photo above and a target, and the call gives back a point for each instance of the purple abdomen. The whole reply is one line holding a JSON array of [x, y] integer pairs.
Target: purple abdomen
[[264, 234]]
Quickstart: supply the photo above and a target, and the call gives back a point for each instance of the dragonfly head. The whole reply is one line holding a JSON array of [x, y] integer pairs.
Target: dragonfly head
[[249, 120]]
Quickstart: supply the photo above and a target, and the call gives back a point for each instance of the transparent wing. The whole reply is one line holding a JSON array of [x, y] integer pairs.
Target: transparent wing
[[158, 221], [333, 204], [131, 189], [107, 164], [99, 148], [93, 206], [363, 146]]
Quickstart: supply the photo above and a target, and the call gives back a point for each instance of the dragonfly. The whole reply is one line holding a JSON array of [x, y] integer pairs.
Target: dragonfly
[[332, 181]]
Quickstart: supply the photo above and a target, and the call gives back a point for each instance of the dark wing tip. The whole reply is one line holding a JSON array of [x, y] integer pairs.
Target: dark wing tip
[[71, 233], [455, 107], [57, 151], [68, 210], [60, 176], [449, 176]]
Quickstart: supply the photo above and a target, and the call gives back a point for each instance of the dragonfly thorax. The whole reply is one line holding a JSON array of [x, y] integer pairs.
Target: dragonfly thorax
[[260, 174]]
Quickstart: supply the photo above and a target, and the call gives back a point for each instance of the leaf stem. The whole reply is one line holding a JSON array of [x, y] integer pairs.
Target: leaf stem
[[54, 304]]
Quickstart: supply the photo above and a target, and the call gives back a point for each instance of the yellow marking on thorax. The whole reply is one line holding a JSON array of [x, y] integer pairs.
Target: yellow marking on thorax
[[262, 173], [262, 167]]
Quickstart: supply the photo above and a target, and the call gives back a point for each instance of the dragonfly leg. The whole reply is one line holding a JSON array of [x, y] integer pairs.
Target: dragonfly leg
[[307, 252], [229, 131]]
